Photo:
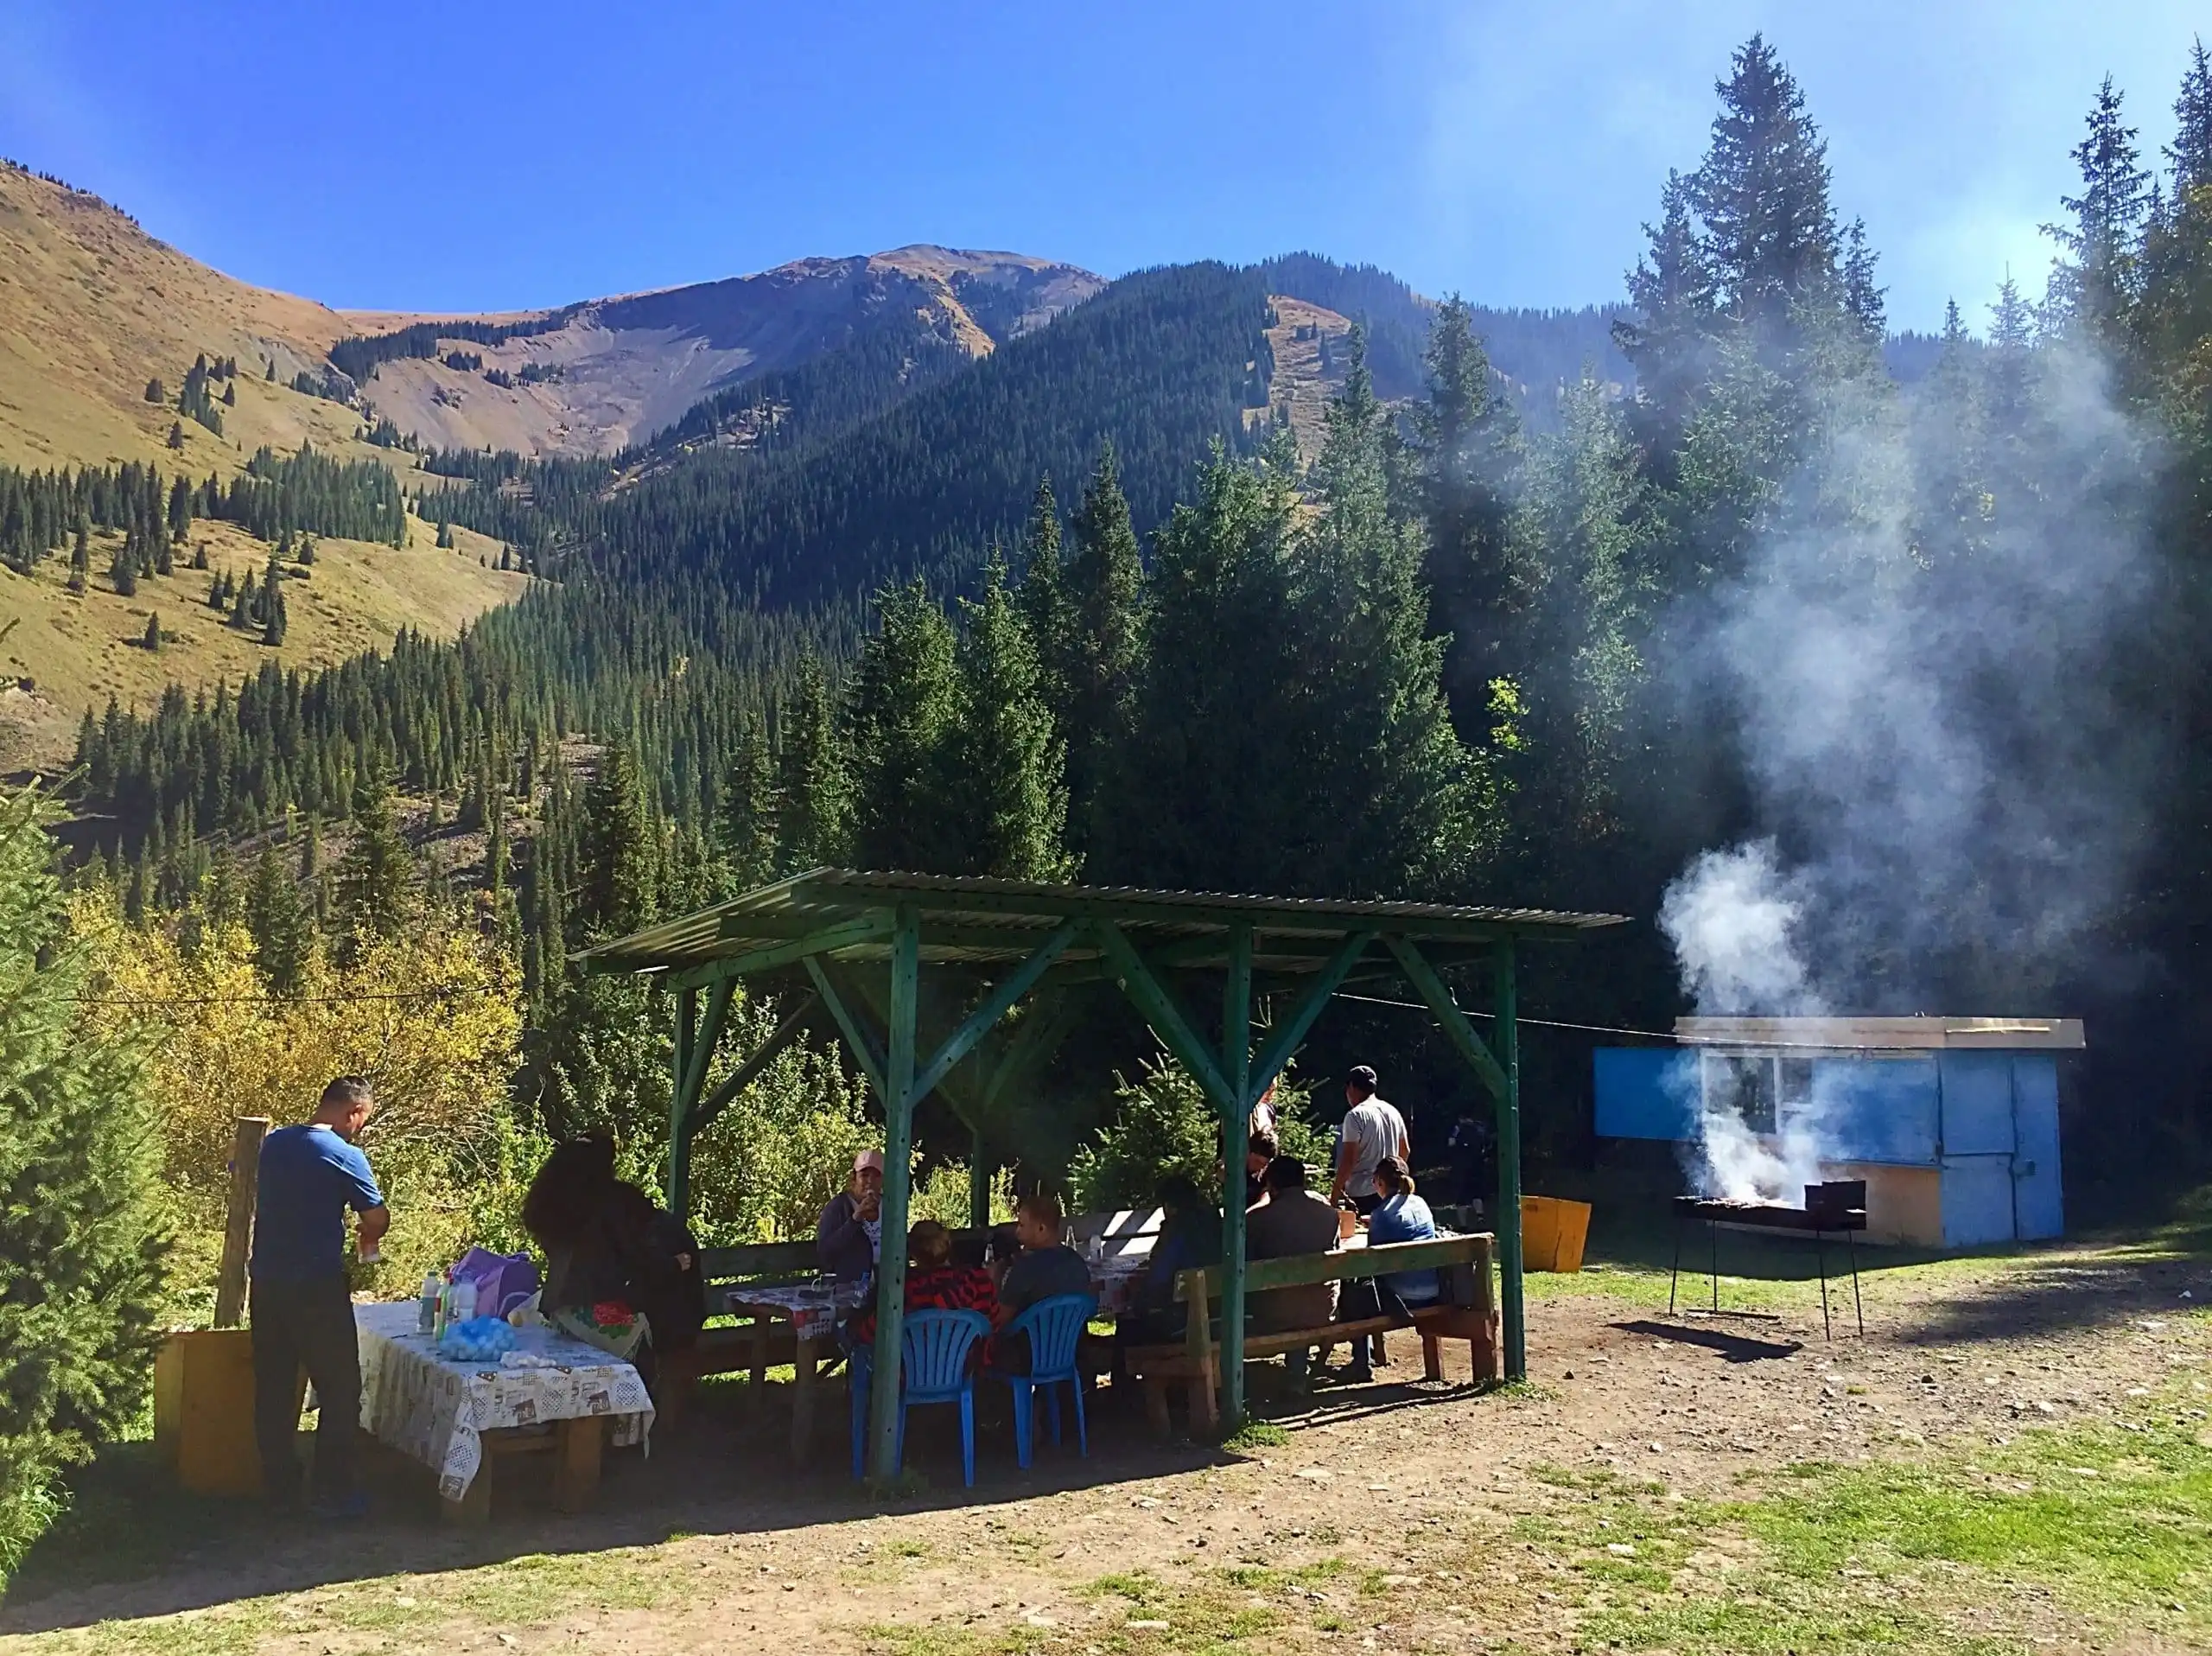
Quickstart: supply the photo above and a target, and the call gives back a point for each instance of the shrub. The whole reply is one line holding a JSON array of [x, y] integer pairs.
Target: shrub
[[1162, 1125]]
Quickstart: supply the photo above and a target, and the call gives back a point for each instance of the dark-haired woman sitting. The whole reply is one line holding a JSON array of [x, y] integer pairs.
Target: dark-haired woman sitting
[[620, 1272]]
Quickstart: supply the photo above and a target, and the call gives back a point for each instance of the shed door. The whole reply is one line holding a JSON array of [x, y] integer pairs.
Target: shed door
[[2038, 1204], [1978, 1144]]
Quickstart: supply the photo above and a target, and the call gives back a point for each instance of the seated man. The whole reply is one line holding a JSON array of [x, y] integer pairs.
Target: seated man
[[934, 1282], [1258, 1153], [848, 1235], [1046, 1267], [1290, 1219]]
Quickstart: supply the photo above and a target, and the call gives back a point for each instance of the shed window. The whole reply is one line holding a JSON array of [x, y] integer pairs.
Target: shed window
[[1744, 1085]]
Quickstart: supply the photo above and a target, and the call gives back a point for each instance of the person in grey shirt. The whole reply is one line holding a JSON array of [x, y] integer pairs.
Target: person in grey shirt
[[1373, 1128]]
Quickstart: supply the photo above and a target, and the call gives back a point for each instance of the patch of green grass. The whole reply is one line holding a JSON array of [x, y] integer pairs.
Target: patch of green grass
[[895, 1639], [1254, 1434], [2112, 1525]]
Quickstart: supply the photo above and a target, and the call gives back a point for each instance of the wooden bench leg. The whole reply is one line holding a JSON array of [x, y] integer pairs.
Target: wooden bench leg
[[575, 1465], [1155, 1405], [759, 1374], [1205, 1416], [1431, 1357]]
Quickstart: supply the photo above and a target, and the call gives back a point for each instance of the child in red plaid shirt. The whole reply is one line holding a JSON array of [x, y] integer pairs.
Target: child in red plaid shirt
[[934, 1282]]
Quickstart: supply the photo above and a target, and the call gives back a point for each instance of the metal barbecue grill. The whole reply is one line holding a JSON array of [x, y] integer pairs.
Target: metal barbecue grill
[[1835, 1208]]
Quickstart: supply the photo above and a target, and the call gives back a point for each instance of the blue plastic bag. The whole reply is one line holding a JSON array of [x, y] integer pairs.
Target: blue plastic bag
[[480, 1339]]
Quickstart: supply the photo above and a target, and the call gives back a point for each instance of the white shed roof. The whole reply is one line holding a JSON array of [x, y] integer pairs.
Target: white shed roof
[[1885, 1034]]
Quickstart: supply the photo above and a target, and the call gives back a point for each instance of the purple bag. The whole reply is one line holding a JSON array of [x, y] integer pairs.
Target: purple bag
[[503, 1281]]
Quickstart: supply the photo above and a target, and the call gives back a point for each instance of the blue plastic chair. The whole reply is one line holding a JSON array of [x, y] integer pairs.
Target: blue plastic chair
[[934, 1347], [1053, 1326]]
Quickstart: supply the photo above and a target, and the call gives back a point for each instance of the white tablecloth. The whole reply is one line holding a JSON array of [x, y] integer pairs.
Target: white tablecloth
[[436, 1411]]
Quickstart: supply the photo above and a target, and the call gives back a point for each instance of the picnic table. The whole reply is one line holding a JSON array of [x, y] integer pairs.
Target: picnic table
[[815, 1309], [558, 1395]]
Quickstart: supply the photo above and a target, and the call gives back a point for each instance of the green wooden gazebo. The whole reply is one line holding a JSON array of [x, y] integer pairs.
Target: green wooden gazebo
[[1006, 939]]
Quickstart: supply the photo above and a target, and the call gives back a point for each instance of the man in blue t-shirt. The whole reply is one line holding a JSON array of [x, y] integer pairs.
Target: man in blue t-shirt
[[302, 1312]]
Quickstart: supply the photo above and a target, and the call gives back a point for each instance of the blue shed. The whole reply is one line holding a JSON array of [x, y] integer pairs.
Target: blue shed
[[1952, 1122]]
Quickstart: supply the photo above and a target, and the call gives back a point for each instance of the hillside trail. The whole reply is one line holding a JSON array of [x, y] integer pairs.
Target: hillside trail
[[1390, 1517]]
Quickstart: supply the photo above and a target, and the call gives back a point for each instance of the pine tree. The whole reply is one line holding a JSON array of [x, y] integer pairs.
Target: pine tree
[[1676, 296], [231, 396], [747, 824], [152, 640], [272, 604], [898, 711], [176, 434], [622, 857], [1467, 448], [1003, 775], [2094, 282], [80, 558], [271, 373], [375, 896], [82, 1238], [813, 791], [278, 918], [156, 392], [123, 570], [1763, 194], [1102, 664]]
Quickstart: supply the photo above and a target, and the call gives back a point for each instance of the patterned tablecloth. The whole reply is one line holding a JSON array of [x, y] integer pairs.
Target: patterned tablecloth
[[436, 1411]]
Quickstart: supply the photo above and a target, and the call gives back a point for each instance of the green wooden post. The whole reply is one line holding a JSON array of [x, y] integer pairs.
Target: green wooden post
[[679, 1106], [979, 1181], [1236, 1126], [1507, 1038], [897, 1172]]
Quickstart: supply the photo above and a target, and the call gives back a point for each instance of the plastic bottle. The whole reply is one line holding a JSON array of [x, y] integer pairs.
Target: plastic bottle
[[426, 1309], [444, 1310], [464, 1302]]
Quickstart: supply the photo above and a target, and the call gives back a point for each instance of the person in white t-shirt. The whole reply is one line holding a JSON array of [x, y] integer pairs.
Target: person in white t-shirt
[[1373, 1128]]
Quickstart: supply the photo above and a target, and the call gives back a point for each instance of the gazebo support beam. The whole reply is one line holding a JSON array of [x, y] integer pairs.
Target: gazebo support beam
[[1504, 1083], [993, 1007], [702, 1116], [1236, 1131], [898, 1177], [679, 1151], [857, 1039], [1293, 1030], [1157, 1003]]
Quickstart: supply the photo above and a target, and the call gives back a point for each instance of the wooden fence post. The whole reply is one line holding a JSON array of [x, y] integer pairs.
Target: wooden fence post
[[238, 1229]]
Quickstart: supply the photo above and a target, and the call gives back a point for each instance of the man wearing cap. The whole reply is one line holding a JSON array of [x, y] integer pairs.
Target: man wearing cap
[[850, 1229], [1373, 1128]]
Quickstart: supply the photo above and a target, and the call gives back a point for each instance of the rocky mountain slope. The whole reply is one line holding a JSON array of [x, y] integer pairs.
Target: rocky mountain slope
[[606, 374]]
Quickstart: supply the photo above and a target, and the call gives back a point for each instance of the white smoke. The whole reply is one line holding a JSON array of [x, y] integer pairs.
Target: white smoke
[[1924, 678]]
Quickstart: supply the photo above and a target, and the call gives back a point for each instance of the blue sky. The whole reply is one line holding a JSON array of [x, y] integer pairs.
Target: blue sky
[[491, 156]]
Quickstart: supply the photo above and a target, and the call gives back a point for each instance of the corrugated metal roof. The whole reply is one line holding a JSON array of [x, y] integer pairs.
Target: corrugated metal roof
[[1885, 1034], [981, 919]]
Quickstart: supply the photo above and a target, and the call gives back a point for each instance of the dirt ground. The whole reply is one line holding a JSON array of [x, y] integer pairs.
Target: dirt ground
[[1399, 1516]]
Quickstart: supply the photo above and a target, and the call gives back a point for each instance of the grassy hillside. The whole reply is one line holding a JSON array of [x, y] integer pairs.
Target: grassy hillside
[[69, 651], [91, 308]]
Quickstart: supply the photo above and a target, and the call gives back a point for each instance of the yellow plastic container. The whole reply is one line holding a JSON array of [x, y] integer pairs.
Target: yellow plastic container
[[1552, 1230], [203, 1411]]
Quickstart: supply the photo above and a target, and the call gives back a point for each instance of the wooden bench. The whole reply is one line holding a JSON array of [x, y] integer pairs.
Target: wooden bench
[[1196, 1362]]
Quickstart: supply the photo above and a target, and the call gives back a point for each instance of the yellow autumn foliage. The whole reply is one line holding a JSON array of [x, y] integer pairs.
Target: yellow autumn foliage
[[432, 1018]]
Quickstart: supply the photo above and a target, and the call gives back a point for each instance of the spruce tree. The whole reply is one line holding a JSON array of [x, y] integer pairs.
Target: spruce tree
[[2094, 283], [1466, 454], [622, 860], [1763, 194], [813, 790], [156, 392], [375, 895], [279, 920], [899, 711], [122, 571], [152, 640], [1104, 658], [748, 820], [82, 1241], [1003, 775]]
